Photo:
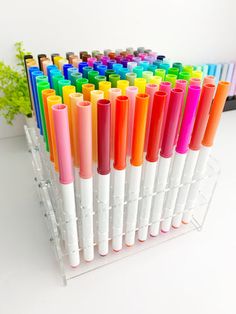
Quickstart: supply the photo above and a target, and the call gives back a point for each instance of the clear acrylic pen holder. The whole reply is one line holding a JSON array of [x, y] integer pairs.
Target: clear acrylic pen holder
[[46, 182]]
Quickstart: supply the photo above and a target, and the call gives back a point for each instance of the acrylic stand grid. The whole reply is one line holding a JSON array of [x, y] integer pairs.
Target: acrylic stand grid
[[49, 196]]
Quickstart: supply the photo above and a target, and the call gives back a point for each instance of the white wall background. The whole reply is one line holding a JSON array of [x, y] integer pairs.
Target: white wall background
[[184, 30]]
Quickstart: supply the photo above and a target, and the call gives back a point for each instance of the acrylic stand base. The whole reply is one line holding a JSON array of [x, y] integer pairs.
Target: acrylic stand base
[[49, 196]]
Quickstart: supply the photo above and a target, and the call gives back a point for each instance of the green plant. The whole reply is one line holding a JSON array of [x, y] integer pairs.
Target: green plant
[[14, 94]]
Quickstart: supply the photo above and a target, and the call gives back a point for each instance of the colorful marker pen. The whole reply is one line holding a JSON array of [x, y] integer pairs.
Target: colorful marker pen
[[150, 165], [207, 143], [60, 121], [84, 125], [180, 155], [103, 193], [120, 150], [131, 93], [167, 146], [204, 105], [136, 160]]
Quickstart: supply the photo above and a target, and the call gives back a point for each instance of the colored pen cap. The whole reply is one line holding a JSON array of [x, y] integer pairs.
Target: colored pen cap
[[150, 90], [171, 123], [209, 79], [109, 72], [97, 79], [122, 73], [174, 71], [79, 83], [51, 101], [164, 66], [65, 70], [138, 70], [161, 73], [105, 86], [155, 80], [110, 64], [203, 110], [121, 129], [86, 71], [92, 75], [188, 119], [102, 69], [182, 84], [215, 113], [62, 134], [62, 83], [123, 84], [85, 138], [152, 68], [139, 128], [195, 82], [72, 70], [197, 74], [96, 65], [131, 76], [157, 114], [166, 87], [103, 133], [171, 78], [81, 66], [91, 61], [147, 75], [141, 84], [74, 77], [86, 89], [131, 93], [105, 59], [178, 65], [113, 78], [131, 65], [189, 69], [184, 75]]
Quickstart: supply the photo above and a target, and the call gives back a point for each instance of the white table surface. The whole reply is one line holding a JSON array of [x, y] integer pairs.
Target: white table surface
[[192, 274]]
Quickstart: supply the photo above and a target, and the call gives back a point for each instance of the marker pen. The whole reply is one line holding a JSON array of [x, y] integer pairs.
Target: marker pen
[[61, 84], [211, 69], [207, 143], [150, 164], [96, 64], [138, 70], [53, 55], [204, 105], [184, 76], [66, 91], [74, 77], [102, 69], [72, 70], [56, 60], [113, 78], [40, 87], [84, 125], [61, 64], [165, 87], [51, 101], [120, 149], [209, 79], [136, 160], [150, 90], [205, 70], [174, 71], [161, 73], [225, 67], [141, 84], [197, 74], [230, 72], [131, 76], [122, 73], [45, 64], [66, 67], [131, 93], [147, 75], [233, 83], [45, 94], [55, 79], [116, 67], [156, 80], [60, 121], [167, 146], [131, 65], [97, 79], [189, 69], [33, 73], [40, 57], [91, 61], [195, 82], [103, 193], [122, 85], [81, 66], [91, 76], [113, 93], [95, 95], [180, 155], [152, 68], [86, 90], [79, 83], [218, 72], [105, 86]]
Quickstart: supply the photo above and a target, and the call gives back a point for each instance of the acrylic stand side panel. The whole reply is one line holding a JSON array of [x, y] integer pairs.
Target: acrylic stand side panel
[[49, 194]]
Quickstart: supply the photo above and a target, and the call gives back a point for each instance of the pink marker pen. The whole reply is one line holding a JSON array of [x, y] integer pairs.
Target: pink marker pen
[[61, 127]]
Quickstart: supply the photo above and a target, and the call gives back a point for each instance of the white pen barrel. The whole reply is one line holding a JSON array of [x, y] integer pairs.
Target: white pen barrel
[[187, 177], [86, 207], [72, 245], [103, 213], [146, 203], [118, 208], [158, 199], [174, 182], [194, 189], [132, 205]]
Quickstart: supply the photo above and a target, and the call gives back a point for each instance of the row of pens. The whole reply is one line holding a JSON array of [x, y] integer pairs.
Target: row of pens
[[117, 111]]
